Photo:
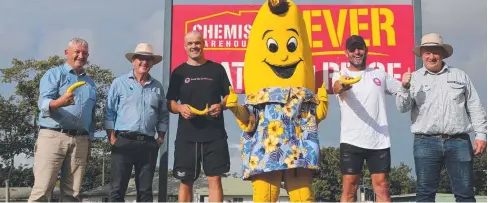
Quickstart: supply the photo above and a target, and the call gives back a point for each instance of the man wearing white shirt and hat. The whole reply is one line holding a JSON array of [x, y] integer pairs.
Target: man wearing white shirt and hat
[[135, 112], [444, 107]]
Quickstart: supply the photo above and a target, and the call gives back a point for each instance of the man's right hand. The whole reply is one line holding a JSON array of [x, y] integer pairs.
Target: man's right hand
[[113, 139], [65, 100], [345, 87], [406, 79], [185, 111]]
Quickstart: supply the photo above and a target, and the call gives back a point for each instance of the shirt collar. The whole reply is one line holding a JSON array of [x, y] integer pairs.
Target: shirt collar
[[131, 75], [445, 68], [69, 69]]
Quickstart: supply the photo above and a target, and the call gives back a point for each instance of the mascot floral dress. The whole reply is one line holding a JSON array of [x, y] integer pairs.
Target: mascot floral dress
[[281, 113]]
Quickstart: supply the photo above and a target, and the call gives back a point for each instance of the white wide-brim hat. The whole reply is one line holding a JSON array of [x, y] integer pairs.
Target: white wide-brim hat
[[144, 49], [433, 40]]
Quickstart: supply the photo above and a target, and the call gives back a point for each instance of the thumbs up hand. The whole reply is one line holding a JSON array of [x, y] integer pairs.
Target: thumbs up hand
[[232, 99], [322, 93], [406, 79]]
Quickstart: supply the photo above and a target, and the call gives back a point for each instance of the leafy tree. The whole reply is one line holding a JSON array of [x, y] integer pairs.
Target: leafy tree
[[479, 166], [327, 182], [16, 135], [27, 75], [97, 172], [20, 177], [401, 182]]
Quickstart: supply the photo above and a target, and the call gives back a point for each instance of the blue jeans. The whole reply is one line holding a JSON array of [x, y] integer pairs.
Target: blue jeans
[[433, 153]]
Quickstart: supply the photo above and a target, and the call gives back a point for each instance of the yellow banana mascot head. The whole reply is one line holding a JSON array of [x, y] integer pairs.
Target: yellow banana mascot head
[[278, 52]]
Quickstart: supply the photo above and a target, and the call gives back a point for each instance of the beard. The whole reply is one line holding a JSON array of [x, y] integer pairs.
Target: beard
[[358, 62]]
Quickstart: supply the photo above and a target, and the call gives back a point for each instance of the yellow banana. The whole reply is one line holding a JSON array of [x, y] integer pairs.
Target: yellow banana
[[74, 86], [349, 81], [199, 112]]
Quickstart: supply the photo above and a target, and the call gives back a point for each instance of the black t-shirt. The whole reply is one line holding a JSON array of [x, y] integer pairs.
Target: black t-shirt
[[198, 86]]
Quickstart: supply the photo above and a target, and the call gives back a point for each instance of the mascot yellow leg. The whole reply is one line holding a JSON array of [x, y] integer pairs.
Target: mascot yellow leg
[[299, 185], [266, 187]]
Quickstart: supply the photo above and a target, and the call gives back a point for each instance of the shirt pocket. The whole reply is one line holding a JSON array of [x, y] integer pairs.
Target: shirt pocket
[[154, 98], [421, 94], [456, 92]]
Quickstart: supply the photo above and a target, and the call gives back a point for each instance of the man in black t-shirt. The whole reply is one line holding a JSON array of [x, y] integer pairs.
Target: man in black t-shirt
[[200, 139]]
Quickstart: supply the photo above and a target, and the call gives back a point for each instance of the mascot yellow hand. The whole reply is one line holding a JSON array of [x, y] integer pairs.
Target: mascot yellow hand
[[245, 121], [231, 99], [323, 107]]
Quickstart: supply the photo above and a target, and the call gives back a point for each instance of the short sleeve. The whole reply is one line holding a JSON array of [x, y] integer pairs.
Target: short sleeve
[[174, 86]]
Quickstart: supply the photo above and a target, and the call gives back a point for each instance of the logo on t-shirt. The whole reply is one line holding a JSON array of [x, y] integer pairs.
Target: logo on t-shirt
[[377, 81], [188, 80]]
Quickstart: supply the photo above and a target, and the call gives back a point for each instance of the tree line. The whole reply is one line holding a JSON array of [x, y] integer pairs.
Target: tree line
[[18, 133]]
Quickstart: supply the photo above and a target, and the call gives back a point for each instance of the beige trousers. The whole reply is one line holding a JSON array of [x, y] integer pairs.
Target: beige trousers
[[55, 151]]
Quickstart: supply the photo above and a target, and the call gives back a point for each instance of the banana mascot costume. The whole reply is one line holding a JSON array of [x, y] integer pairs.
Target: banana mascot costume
[[281, 113]]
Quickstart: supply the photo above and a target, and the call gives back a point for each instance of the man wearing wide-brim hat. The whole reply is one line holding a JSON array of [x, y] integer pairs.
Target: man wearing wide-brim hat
[[135, 112], [445, 107]]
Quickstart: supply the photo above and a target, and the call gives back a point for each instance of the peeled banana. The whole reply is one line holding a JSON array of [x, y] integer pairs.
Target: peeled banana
[[199, 112], [349, 81], [74, 86]]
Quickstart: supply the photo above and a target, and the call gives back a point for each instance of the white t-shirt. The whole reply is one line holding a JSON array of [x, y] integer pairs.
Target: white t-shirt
[[363, 112]]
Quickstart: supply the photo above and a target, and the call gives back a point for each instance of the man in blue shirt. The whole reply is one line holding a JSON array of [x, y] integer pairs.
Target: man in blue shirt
[[135, 110], [67, 124]]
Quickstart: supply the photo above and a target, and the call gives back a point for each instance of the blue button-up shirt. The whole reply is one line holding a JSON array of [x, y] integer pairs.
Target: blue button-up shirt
[[81, 115], [135, 107]]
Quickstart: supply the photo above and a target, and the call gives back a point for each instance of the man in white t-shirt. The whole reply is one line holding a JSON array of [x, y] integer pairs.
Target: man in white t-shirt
[[364, 125]]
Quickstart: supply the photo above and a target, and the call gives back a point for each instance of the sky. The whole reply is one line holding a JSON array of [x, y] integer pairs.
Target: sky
[[39, 29]]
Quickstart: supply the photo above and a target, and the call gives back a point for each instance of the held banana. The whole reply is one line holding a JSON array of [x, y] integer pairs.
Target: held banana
[[199, 112], [74, 86], [349, 81]]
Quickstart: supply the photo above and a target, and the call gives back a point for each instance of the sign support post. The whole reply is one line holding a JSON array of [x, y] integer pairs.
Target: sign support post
[[417, 21], [163, 159]]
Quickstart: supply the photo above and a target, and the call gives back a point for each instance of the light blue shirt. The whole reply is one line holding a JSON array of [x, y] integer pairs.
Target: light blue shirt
[[81, 115], [135, 107]]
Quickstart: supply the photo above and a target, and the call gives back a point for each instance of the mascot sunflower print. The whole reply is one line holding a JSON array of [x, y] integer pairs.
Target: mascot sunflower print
[[281, 113]]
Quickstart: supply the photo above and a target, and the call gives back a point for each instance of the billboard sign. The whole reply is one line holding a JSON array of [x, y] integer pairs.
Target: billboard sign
[[387, 29]]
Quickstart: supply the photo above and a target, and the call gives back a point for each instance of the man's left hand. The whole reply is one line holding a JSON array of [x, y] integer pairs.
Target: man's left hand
[[215, 109], [479, 146], [160, 140]]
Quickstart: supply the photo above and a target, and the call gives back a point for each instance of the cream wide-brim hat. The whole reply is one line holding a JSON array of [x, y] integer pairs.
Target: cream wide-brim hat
[[144, 49], [433, 40]]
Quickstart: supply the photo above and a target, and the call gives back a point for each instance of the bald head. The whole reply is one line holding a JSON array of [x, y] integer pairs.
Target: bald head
[[194, 44], [193, 36]]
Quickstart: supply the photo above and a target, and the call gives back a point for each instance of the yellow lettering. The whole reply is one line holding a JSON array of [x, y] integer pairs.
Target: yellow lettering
[[355, 25], [387, 26], [307, 16], [375, 27], [335, 33], [308, 21]]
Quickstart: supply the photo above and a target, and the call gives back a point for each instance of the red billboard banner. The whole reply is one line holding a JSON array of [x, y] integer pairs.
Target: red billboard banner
[[387, 29]]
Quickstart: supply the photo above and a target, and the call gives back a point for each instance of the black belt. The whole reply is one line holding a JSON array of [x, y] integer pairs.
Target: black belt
[[67, 131], [133, 135], [442, 136]]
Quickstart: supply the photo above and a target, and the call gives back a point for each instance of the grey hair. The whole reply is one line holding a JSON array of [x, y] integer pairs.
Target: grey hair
[[78, 41]]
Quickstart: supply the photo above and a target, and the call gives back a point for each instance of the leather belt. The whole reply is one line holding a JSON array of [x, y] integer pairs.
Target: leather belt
[[134, 136], [67, 131], [442, 136]]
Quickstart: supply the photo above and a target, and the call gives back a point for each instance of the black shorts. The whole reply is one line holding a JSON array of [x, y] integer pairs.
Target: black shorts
[[352, 159], [190, 156]]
